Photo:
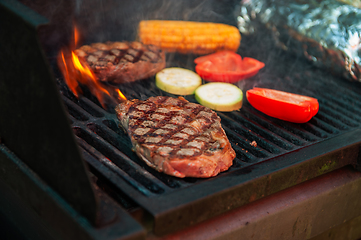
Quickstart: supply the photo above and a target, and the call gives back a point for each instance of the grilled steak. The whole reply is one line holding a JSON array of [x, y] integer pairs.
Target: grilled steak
[[176, 137], [122, 62]]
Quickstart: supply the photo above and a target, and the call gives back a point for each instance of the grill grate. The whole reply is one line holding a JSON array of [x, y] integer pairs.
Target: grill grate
[[282, 151]]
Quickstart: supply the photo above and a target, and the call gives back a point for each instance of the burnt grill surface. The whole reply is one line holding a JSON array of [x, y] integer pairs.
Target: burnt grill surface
[[172, 201]]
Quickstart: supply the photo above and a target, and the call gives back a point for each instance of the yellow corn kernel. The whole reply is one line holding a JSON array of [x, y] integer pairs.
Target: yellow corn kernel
[[189, 37]]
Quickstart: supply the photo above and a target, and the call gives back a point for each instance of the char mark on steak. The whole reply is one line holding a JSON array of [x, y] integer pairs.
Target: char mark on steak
[[122, 62], [177, 137]]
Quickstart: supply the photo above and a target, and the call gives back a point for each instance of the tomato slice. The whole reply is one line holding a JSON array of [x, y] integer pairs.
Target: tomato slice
[[226, 66], [283, 105]]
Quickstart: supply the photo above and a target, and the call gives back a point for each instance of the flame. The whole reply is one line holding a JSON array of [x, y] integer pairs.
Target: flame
[[71, 82], [76, 35], [120, 95], [76, 71]]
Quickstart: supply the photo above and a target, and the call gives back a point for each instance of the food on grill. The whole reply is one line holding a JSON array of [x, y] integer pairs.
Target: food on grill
[[224, 97], [177, 137], [178, 81], [122, 62], [189, 37], [283, 105], [226, 66]]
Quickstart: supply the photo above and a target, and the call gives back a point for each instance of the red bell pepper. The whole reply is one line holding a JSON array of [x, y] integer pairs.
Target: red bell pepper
[[283, 105], [226, 66]]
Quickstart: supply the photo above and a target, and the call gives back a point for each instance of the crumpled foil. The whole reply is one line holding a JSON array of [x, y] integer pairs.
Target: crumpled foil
[[326, 32]]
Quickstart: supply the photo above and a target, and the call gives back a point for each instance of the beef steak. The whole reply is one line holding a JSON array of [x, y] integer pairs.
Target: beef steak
[[122, 62], [177, 137]]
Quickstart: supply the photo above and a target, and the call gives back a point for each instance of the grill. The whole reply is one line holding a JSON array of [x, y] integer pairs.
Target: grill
[[285, 154]]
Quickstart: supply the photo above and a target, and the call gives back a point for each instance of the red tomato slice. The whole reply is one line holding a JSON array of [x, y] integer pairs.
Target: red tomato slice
[[226, 66], [283, 105]]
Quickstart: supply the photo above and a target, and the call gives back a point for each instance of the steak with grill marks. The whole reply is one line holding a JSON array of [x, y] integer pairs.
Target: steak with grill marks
[[177, 137], [122, 62]]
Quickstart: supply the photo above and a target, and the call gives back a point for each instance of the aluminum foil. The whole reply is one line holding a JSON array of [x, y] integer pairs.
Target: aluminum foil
[[326, 32]]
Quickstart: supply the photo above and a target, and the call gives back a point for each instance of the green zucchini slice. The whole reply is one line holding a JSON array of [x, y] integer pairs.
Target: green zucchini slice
[[224, 97], [177, 81]]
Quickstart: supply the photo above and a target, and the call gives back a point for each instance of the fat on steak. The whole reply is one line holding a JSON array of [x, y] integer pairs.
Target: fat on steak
[[122, 62], [177, 137]]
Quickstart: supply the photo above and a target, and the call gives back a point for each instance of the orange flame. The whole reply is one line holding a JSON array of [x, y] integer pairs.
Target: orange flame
[[120, 95], [76, 71], [70, 81], [76, 36]]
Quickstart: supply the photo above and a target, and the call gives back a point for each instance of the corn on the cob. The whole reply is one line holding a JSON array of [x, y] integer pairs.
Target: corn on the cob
[[189, 37]]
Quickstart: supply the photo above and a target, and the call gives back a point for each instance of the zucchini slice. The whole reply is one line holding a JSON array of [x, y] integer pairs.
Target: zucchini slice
[[177, 81], [224, 97]]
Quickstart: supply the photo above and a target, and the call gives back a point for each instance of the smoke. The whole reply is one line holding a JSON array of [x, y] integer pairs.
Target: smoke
[[111, 20], [114, 20]]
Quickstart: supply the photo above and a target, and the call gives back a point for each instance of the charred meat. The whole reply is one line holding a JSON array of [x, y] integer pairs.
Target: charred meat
[[122, 62], [177, 137]]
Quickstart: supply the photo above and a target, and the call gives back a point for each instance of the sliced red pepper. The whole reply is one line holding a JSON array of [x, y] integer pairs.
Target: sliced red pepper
[[226, 66], [283, 105]]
